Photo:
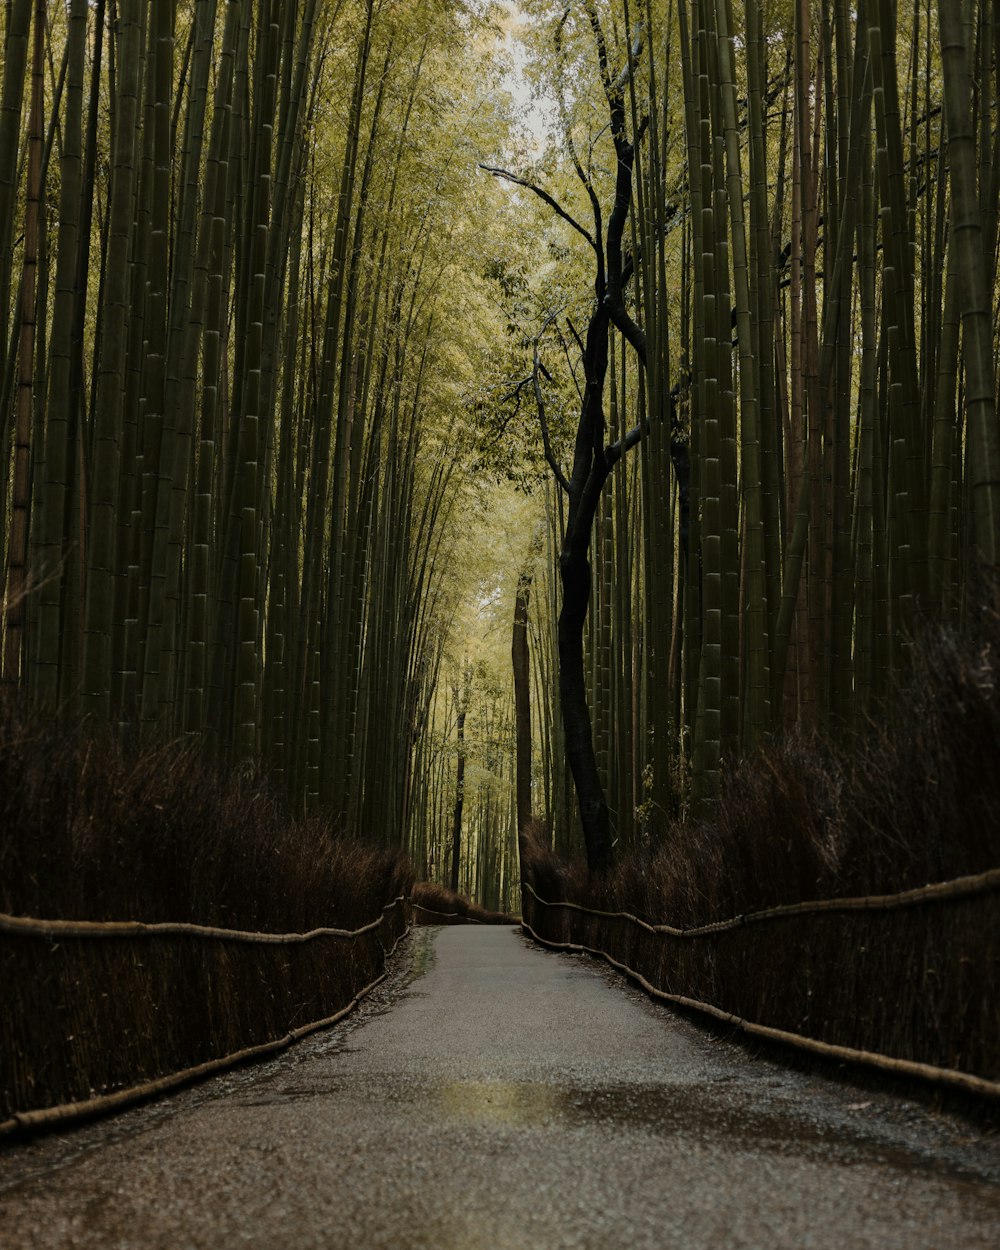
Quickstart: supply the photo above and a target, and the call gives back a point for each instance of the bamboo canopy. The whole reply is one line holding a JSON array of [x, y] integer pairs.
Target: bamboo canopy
[[314, 358]]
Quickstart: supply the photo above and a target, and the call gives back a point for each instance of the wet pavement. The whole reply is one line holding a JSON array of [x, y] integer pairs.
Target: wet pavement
[[497, 1097]]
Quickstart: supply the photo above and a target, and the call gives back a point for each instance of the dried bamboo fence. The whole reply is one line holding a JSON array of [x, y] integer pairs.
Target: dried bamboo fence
[[97, 1015], [906, 983]]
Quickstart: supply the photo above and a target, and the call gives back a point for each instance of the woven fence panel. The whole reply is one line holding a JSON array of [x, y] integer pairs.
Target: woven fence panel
[[85, 1016], [919, 983]]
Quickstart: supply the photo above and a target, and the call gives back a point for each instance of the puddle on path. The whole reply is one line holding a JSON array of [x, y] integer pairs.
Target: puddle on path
[[742, 1105], [730, 1113]]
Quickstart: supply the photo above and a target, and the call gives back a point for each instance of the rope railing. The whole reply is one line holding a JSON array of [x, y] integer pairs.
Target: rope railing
[[959, 887], [29, 926], [683, 975], [181, 972], [954, 1079], [450, 915], [102, 1104], [461, 915]]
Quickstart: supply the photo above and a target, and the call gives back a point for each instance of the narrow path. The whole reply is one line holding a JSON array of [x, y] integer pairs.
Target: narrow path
[[502, 1098]]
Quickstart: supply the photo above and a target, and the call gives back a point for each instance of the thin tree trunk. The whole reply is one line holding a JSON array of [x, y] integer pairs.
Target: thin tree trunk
[[521, 663]]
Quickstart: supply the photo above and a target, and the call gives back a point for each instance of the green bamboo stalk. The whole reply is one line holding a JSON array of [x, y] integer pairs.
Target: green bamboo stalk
[[156, 431], [103, 525], [974, 297], [209, 271], [15, 54], [50, 684], [757, 713], [16, 586]]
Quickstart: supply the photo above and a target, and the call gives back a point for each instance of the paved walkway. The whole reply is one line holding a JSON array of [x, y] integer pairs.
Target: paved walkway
[[497, 1097]]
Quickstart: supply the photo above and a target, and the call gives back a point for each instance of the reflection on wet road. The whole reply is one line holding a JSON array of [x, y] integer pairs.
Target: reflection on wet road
[[495, 1096]]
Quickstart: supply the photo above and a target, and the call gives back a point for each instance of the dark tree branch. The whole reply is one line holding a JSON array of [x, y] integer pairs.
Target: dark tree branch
[[553, 463], [620, 316], [595, 203], [602, 47], [504, 424], [542, 195], [569, 361], [515, 391], [515, 394], [625, 151], [622, 446]]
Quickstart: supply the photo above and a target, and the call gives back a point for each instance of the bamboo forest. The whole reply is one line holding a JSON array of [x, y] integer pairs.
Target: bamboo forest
[[537, 461], [296, 393]]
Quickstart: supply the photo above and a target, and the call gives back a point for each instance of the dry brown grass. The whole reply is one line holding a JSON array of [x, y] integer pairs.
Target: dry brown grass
[[89, 831], [436, 904], [913, 801]]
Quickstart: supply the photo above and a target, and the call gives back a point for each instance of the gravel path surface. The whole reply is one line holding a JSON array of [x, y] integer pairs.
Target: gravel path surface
[[495, 1096]]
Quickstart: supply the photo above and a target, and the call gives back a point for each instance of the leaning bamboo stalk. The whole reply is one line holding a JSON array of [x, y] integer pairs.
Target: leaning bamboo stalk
[[103, 525], [974, 297], [248, 486], [15, 52], [157, 427], [906, 466], [187, 306], [50, 682], [210, 266], [14, 604], [323, 442], [341, 616], [866, 484], [757, 713], [125, 637]]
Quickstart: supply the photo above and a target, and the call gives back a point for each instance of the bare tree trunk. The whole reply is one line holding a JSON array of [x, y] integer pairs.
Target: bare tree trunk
[[456, 829], [521, 662], [590, 471]]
